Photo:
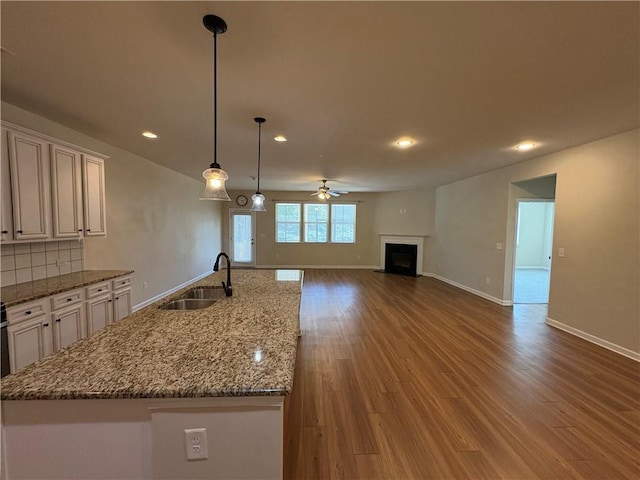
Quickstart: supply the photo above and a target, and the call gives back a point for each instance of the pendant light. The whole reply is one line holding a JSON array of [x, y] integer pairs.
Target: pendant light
[[258, 198], [214, 175]]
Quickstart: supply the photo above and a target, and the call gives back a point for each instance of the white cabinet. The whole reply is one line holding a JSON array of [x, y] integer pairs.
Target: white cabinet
[[30, 186], [29, 332], [99, 307], [67, 318], [121, 297], [50, 189], [37, 329], [95, 217], [68, 326], [66, 192], [6, 219]]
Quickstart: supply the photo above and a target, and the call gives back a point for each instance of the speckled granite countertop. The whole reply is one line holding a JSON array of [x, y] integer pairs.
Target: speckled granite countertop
[[241, 345], [26, 292]]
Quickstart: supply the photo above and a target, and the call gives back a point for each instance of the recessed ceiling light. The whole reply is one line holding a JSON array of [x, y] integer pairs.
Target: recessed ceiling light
[[405, 142], [149, 135], [280, 138], [525, 146]]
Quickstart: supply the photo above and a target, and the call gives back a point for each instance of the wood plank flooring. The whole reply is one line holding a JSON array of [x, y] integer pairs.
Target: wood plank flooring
[[411, 378]]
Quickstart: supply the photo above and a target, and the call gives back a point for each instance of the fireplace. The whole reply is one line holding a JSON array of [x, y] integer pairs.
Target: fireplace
[[401, 258]]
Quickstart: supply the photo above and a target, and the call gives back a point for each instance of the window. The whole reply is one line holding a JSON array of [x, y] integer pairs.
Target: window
[[343, 223], [315, 223], [316, 219], [287, 222]]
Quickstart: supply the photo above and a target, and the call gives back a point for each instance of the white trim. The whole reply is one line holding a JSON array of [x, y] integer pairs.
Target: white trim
[[169, 292], [593, 339], [335, 267], [504, 303], [417, 240]]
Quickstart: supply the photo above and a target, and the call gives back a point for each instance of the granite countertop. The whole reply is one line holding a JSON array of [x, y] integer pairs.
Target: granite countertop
[[28, 291], [241, 345]]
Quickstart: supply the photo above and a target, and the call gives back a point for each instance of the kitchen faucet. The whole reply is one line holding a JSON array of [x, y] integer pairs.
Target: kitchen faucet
[[216, 266]]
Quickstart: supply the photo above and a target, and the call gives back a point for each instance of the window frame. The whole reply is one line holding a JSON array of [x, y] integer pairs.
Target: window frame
[[302, 223]]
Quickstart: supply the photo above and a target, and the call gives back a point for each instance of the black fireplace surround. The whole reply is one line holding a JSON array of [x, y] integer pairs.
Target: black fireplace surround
[[401, 258]]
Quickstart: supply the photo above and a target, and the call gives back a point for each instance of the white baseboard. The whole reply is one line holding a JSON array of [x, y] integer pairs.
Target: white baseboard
[[593, 339], [137, 307], [504, 303], [333, 267]]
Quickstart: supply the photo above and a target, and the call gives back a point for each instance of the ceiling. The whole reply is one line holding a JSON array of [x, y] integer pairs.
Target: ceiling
[[343, 81]]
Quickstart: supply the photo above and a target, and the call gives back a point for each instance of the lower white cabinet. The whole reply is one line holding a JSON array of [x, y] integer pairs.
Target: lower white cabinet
[[99, 313], [29, 341], [42, 327], [68, 326]]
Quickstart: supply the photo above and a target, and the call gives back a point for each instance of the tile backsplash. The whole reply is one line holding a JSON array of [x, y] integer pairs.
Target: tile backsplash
[[25, 262]]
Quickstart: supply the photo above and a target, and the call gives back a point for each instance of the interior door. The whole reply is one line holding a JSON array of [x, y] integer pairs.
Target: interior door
[[241, 238]]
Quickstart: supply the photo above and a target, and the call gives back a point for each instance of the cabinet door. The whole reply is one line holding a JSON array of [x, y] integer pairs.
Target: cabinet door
[[95, 215], [121, 304], [99, 314], [66, 192], [30, 186], [5, 184], [68, 326], [29, 341]]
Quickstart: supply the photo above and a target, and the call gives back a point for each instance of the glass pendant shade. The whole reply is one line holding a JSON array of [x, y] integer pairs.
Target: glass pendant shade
[[214, 184], [258, 202]]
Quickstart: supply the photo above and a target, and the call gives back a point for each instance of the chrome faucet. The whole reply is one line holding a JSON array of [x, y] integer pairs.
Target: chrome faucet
[[216, 266]]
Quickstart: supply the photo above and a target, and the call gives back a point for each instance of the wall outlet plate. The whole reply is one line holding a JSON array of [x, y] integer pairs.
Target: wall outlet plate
[[196, 443]]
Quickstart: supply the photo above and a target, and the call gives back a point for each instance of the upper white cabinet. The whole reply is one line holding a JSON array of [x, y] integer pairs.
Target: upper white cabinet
[[66, 192], [6, 218], [95, 221], [50, 189], [30, 192]]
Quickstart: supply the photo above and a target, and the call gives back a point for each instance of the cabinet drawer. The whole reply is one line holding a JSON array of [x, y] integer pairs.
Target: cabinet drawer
[[121, 282], [26, 311], [98, 289], [67, 298]]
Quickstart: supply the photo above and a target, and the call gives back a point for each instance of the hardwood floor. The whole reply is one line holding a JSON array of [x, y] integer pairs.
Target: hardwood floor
[[411, 378]]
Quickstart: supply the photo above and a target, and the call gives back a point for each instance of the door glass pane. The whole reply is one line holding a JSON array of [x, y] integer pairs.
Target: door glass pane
[[242, 238]]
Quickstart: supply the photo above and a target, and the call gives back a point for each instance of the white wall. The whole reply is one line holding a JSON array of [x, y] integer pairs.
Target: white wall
[[155, 223], [595, 288], [534, 234]]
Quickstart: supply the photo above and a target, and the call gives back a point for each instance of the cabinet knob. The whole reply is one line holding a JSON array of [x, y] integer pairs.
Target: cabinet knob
[[19, 231], [117, 298], [79, 229], [88, 229], [58, 320]]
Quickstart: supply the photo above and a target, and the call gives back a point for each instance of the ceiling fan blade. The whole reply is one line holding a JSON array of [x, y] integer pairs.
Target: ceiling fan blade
[[333, 194], [341, 192], [315, 193]]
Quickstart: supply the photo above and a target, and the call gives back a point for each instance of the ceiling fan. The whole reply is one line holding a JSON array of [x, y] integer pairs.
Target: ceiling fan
[[325, 193]]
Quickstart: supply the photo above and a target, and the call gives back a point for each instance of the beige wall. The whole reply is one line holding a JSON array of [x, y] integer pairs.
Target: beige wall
[[364, 253], [155, 223], [595, 289]]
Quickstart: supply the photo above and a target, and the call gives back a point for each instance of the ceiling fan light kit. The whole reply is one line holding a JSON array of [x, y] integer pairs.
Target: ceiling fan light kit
[[215, 176], [325, 193]]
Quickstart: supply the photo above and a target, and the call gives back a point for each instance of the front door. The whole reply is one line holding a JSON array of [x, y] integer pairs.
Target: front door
[[241, 238]]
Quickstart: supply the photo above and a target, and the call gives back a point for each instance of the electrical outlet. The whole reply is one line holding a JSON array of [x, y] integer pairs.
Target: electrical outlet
[[196, 443], [487, 281], [145, 285], [561, 252]]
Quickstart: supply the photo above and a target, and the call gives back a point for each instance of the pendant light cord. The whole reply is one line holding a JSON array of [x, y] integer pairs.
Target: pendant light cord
[[215, 102], [259, 137]]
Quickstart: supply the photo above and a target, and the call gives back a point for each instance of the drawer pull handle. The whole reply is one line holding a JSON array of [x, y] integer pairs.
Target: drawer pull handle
[[28, 312], [58, 320], [99, 289], [117, 298], [19, 231], [4, 232], [45, 324], [69, 299]]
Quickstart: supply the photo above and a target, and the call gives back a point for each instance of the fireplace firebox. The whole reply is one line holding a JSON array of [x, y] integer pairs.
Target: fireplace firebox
[[401, 259]]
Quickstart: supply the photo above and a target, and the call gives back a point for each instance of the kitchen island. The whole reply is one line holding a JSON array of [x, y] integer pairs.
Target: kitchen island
[[116, 405]]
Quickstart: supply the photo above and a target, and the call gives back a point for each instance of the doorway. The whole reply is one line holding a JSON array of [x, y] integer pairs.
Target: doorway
[[241, 238], [533, 249]]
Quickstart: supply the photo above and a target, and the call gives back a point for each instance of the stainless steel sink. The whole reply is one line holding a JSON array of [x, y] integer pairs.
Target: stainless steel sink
[[188, 304], [213, 293]]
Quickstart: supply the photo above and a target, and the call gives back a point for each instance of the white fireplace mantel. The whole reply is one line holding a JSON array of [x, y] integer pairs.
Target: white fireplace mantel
[[417, 240]]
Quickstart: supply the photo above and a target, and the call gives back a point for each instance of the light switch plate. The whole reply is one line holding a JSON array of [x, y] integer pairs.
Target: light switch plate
[[561, 252]]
